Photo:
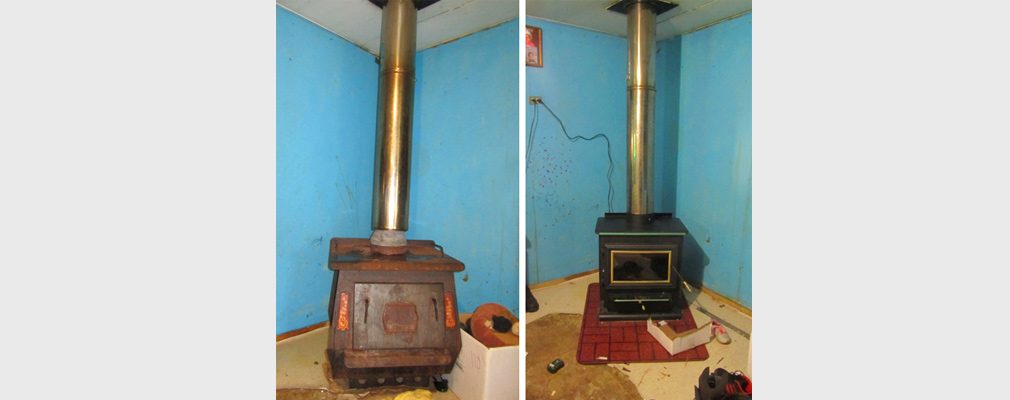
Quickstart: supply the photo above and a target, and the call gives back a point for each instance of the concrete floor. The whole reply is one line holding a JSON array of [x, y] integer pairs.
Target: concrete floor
[[300, 359], [300, 362], [668, 380]]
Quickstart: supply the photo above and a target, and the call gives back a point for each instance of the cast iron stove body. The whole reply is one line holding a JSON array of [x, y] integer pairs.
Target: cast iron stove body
[[640, 267], [393, 318]]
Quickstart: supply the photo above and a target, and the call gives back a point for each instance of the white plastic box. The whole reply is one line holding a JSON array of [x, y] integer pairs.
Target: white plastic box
[[481, 373]]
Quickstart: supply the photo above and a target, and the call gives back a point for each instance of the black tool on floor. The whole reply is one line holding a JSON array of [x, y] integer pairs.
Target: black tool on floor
[[441, 385], [555, 365]]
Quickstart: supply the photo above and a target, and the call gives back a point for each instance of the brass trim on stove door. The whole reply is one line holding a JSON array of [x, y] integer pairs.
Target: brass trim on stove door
[[669, 264]]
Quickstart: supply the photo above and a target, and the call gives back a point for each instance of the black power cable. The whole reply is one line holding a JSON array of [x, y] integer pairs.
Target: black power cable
[[532, 135], [533, 131]]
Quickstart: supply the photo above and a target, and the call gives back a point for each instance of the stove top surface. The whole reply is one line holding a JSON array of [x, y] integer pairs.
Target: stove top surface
[[421, 255], [658, 224]]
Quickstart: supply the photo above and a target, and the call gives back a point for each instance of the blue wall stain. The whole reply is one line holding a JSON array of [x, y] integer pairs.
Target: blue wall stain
[[713, 168], [566, 183], [464, 186]]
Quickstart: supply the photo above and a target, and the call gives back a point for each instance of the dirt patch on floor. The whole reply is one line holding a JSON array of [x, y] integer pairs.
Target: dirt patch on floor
[[557, 336], [308, 394], [374, 394]]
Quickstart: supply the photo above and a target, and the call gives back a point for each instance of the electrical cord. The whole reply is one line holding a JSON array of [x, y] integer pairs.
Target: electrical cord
[[532, 134], [610, 159]]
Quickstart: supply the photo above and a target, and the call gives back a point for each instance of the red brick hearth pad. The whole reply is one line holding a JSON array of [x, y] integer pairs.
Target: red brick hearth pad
[[604, 342]]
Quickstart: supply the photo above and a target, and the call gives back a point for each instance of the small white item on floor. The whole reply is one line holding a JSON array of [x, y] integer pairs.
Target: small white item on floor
[[719, 332], [675, 342]]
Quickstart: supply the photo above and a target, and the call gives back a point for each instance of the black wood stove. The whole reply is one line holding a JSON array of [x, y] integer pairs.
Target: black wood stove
[[640, 267]]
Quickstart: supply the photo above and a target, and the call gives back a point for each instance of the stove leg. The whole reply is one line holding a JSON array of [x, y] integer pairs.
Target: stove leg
[[333, 295]]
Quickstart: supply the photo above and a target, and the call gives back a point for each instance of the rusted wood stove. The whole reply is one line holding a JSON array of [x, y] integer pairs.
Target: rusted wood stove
[[393, 318]]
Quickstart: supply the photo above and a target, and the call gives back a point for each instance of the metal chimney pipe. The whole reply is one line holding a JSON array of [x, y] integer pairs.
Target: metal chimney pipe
[[641, 105], [391, 186]]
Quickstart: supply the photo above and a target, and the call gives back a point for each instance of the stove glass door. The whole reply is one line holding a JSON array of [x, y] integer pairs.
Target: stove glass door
[[639, 266]]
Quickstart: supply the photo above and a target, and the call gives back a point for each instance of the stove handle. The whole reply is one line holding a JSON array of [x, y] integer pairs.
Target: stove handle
[[682, 280]]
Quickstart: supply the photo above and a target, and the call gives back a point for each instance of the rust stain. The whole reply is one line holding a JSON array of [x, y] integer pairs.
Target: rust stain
[[708, 240], [466, 277]]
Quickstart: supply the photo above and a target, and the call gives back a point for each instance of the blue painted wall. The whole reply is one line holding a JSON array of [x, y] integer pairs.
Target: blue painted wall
[[326, 95], [712, 132], [668, 64], [703, 149], [464, 191], [464, 188], [566, 184]]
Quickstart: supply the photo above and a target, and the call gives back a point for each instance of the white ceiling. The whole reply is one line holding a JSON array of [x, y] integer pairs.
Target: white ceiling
[[359, 21], [688, 16]]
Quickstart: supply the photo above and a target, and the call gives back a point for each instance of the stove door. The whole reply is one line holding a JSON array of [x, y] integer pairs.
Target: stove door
[[640, 266], [398, 316]]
